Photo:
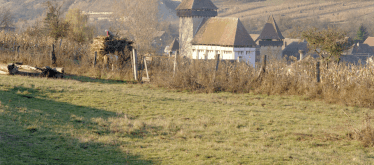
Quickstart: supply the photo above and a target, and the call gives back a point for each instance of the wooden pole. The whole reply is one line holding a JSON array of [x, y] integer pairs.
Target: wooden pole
[[135, 58], [263, 69], [53, 55], [95, 58], [217, 58], [146, 68], [215, 72], [318, 72]]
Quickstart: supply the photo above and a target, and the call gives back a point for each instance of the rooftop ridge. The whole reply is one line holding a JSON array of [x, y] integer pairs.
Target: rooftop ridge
[[197, 5]]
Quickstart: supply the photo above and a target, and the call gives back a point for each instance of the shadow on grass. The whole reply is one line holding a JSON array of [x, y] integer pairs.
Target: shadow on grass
[[103, 81], [35, 130]]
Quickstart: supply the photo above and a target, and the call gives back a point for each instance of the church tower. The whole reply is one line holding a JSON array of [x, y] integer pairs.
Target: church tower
[[191, 14], [271, 40]]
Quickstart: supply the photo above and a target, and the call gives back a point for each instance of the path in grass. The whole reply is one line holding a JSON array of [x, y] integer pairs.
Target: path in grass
[[66, 121]]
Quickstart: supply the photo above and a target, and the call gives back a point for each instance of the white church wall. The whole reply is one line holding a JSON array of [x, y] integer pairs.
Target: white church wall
[[247, 54]]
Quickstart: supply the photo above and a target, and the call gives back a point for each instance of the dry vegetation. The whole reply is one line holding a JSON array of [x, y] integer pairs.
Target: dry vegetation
[[344, 83]]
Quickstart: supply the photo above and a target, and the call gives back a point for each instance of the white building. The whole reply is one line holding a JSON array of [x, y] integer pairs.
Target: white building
[[202, 35]]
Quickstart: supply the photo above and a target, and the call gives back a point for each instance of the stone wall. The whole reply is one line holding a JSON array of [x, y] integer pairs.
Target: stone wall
[[188, 27], [272, 52]]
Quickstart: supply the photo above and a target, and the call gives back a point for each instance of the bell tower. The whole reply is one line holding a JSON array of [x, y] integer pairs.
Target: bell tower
[[191, 14]]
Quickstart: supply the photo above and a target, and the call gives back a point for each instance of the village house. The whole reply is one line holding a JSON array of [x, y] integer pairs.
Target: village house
[[202, 35], [173, 48], [7, 29]]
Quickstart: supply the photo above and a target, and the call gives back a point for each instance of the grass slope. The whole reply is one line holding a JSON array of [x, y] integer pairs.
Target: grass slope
[[45, 121]]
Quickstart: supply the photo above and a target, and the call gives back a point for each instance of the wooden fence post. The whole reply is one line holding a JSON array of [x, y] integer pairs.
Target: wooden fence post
[[18, 51], [215, 72], [217, 59], [135, 66], [146, 70], [262, 70], [318, 72], [53, 55], [95, 58]]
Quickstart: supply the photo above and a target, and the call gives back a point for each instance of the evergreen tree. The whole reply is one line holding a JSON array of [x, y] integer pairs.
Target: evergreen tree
[[54, 25], [362, 34]]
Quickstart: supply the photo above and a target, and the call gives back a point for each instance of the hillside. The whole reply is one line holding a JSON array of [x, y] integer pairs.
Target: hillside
[[253, 13], [31, 9]]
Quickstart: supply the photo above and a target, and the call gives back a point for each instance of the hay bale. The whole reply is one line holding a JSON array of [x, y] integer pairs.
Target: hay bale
[[106, 45]]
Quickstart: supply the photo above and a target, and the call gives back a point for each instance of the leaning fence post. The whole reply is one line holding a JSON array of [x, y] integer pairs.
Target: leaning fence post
[[217, 58], [135, 66], [95, 58], [318, 72], [215, 72], [53, 55]]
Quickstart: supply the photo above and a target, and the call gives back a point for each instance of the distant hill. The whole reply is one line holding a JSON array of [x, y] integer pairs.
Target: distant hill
[[253, 13], [32, 9]]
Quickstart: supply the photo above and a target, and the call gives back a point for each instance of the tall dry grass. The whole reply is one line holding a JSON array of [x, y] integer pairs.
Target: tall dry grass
[[76, 58], [347, 84]]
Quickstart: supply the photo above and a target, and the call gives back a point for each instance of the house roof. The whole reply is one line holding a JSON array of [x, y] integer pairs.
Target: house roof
[[196, 5], [359, 49], [174, 46], [222, 31], [271, 30], [292, 48], [7, 28], [369, 41]]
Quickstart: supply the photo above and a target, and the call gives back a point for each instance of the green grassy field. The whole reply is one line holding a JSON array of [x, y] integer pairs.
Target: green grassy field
[[47, 121]]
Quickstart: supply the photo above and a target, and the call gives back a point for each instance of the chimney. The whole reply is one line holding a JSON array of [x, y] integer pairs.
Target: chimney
[[302, 52]]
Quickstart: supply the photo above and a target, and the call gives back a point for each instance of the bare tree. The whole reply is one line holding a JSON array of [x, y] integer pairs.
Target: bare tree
[[79, 31], [141, 18], [6, 17]]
